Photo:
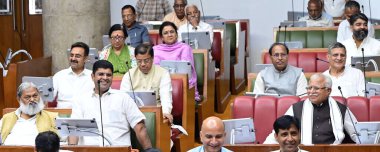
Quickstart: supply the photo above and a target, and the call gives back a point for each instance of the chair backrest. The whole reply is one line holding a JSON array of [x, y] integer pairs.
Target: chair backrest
[[264, 116], [216, 49], [340, 99], [243, 107], [374, 108], [284, 103], [150, 123], [359, 107], [116, 82], [177, 96]]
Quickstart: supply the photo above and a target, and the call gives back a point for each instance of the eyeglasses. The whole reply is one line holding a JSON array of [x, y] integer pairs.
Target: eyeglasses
[[146, 61], [179, 6], [117, 38], [315, 88], [278, 55]]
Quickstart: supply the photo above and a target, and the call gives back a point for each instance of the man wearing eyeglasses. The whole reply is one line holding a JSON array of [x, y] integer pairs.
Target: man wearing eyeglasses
[[178, 16], [350, 80], [281, 78], [194, 24], [323, 120], [316, 17], [147, 76], [137, 33]]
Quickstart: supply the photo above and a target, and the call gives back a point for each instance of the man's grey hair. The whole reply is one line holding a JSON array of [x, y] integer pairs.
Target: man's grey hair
[[327, 79], [191, 5], [23, 86], [336, 45], [184, 1]]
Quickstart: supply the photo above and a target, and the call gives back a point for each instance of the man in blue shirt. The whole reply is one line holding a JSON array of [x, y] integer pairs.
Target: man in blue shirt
[[212, 136], [137, 34]]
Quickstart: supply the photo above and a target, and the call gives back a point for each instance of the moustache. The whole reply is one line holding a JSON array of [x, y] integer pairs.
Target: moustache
[[73, 61]]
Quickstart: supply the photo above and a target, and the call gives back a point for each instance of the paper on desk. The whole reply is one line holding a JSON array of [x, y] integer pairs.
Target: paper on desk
[[180, 128]]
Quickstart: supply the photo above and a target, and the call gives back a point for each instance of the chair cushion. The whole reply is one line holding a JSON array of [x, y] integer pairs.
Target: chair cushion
[[322, 66], [265, 115], [154, 37], [244, 107], [359, 107], [217, 49], [231, 32], [199, 68], [284, 103], [150, 124], [307, 61], [177, 95], [374, 108], [329, 37], [116, 84], [298, 36], [377, 33], [314, 39]]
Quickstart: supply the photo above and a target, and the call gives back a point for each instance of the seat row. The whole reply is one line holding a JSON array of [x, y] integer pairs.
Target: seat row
[[266, 109]]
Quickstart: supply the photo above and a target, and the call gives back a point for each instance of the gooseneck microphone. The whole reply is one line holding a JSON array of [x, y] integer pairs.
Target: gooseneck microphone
[[370, 11], [293, 11], [101, 112], [318, 59], [285, 35], [349, 114], [278, 33], [364, 66], [130, 80]]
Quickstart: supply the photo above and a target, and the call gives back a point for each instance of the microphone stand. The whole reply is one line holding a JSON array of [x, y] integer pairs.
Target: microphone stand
[[101, 112], [278, 33], [364, 66], [293, 11], [349, 114], [285, 36], [130, 80]]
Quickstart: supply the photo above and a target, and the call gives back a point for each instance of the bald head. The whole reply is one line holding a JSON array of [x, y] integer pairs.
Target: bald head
[[212, 134], [212, 123], [314, 8]]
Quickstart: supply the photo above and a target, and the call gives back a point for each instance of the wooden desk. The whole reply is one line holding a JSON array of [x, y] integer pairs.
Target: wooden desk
[[72, 148], [315, 148]]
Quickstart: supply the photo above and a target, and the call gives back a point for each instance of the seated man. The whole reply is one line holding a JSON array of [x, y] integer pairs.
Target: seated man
[[48, 141], [281, 78], [75, 80], [359, 39], [350, 80], [344, 30], [316, 17], [150, 77], [22, 126], [152, 10], [287, 129], [195, 24], [137, 33], [212, 136], [334, 8], [178, 16], [330, 121], [119, 112]]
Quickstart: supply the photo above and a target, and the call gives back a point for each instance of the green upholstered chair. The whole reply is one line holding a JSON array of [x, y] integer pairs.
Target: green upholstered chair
[[377, 33], [329, 37], [150, 124], [231, 32], [314, 39], [280, 37], [199, 68], [298, 36]]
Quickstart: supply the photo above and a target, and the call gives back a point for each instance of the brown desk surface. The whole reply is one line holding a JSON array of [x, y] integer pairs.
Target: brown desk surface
[[315, 148], [72, 148]]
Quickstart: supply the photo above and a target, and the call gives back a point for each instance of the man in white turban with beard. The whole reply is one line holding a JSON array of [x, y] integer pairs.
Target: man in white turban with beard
[[23, 125]]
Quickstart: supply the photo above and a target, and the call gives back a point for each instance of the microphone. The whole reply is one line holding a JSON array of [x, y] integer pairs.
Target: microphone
[[285, 35], [130, 80], [370, 11], [293, 11], [303, 8], [101, 112], [318, 59], [349, 114], [363, 8], [302, 94], [363, 66], [142, 10], [203, 12], [278, 33]]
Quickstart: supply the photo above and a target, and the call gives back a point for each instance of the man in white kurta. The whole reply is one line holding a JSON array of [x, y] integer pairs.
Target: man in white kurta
[[335, 8], [344, 29], [74, 81], [360, 39], [194, 23], [149, 77], [350, 80], [316, 17]]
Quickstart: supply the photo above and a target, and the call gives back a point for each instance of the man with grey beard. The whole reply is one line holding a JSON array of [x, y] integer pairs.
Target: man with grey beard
[[360, 39], [23, 125]]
